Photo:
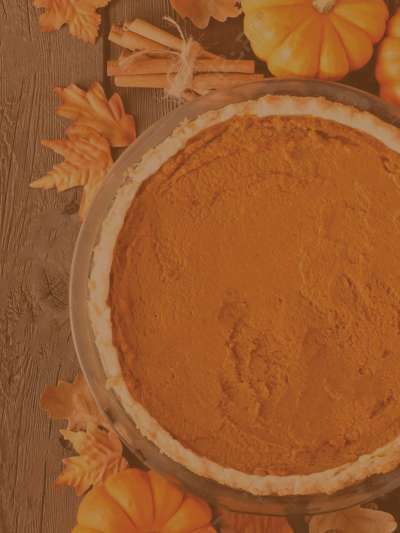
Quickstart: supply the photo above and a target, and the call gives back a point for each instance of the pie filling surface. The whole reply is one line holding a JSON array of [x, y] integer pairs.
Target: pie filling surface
[[255, 295]]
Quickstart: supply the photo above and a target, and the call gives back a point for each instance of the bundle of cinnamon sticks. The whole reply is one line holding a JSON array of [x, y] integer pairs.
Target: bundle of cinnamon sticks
[[152, 56]]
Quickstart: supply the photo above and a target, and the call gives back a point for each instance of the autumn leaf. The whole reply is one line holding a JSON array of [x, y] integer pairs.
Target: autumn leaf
[[87, 160], [92, 109], [354, 520], [82, 148], [80, 16], [65, 176], [89, 193], [201, 11], [98, 446], [72, 402], [98, 122], [246, 523], [100, 456]]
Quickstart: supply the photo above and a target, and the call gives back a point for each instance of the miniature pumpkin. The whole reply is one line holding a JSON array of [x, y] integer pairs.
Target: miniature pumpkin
[[135, 501], [314, 38], [388, 62]]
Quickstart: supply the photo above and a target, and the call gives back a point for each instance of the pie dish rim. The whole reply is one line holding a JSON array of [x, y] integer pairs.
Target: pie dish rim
[[329, 481]]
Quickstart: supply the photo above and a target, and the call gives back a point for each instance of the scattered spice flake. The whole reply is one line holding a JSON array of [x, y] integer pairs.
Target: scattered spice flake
[[92, 109], [87, 159], [100, 456], [72, 402], [246, 523], [200, 11], [354, 520], [80, 16]]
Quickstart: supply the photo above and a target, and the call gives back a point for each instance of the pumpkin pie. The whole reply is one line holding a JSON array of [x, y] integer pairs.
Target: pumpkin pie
[[245, 296]]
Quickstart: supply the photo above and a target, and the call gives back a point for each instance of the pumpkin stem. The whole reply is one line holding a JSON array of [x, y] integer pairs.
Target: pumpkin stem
[[323, 6]]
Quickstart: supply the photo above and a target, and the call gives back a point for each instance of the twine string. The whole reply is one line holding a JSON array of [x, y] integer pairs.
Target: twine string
[[180, 82]]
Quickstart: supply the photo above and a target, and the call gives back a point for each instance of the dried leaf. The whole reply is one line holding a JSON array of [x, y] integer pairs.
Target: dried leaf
[[79, 15], [87, 159], [92, 109], [89, 193], [88, 150], [72, 402], [201, 11], [100, 456], [65, 176], [354, 520], [246, 523]]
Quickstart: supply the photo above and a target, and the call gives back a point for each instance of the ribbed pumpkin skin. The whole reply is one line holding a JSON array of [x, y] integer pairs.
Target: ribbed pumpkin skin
[[323, 39], [134, 501], [388, 62]]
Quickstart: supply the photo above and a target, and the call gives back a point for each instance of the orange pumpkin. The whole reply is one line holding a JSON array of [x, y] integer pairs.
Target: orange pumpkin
[[314, 38], [134, 501], [388, 62]]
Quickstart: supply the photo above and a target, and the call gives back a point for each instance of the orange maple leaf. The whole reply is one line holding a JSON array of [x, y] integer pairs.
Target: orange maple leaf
[[72, 402], [87, 159], [79, 15], [92, 109], [83, 148], [200, 11], [100, 456]]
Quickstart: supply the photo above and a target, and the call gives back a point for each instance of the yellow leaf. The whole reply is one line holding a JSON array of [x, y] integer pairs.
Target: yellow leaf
[[245, 523], [80, 16], [66, 176], [89, 192], [73, 402], [100, 456], [63, 176], [201, 11], [87, 159], [91, 109], [83, 149], [354, 520]]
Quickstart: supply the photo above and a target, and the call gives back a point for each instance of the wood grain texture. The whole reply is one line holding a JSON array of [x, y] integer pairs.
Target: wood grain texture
[[37, 235]]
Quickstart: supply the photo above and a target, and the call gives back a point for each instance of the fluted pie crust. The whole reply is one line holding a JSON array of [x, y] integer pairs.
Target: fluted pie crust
[[329, 480]]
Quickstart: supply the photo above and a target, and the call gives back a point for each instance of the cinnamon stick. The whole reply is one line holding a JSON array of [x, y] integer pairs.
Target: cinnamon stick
[[148, 31], [164, 66], [133, 41], [201, 82], [142, 81], [206, 82]]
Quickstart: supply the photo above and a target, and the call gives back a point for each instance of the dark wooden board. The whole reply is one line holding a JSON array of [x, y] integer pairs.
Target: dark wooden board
[[37, 236]]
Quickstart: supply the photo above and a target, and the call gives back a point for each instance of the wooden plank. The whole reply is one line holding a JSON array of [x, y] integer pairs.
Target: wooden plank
[[37, 235]]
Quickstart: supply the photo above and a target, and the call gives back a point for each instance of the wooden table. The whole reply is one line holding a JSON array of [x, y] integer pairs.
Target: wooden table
[[37, 236]]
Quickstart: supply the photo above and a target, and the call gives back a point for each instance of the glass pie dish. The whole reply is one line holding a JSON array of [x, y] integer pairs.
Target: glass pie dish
[[89, 357]]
